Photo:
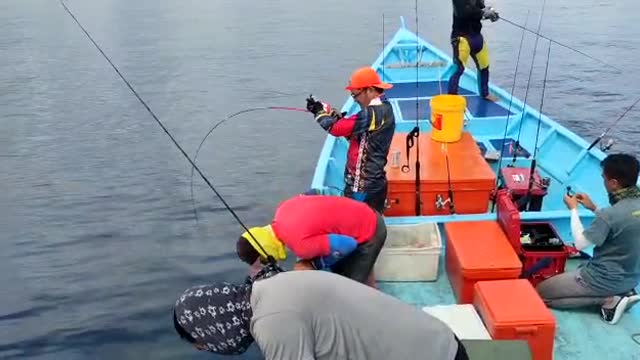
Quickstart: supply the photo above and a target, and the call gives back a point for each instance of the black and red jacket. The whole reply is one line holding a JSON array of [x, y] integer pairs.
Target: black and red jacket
[[369, 132]]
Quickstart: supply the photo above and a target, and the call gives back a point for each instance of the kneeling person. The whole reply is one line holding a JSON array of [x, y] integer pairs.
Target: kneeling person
[[330, 232], [609, 278]]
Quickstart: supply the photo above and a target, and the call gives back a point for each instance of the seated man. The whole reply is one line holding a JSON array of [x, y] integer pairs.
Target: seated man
[[328, 232], [311, 315], [608, 279]]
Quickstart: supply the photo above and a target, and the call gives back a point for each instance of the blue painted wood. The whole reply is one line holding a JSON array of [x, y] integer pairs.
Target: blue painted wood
[[425, 89]]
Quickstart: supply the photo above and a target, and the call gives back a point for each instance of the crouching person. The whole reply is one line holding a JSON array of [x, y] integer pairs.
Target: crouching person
[[608, 279], [311, 315], [331, 233]]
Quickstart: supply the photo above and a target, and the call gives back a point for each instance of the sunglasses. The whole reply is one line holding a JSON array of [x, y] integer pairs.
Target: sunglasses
[[353, 95]]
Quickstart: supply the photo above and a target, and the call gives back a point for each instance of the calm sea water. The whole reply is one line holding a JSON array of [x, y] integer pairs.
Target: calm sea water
[[98, 235]]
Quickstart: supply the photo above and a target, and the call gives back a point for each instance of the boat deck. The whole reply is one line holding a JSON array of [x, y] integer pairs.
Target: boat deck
[[580, 334], [560, 155]]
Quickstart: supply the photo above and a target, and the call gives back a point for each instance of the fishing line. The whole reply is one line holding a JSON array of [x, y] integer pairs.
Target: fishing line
[[544, 86], [215, 126], [526, 94], [597, 140], [558, 43], [153, 115], [506, 125]]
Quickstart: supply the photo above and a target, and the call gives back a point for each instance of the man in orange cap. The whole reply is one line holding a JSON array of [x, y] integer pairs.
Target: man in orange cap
[[369, 132]]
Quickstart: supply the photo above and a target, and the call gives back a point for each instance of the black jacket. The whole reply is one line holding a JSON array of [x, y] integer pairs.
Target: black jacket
[[467, 17], [369, 132]]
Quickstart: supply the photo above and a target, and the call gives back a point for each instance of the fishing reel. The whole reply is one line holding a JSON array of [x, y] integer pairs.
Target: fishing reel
[[440, 202], [545, 182], [270, 269], [606, 146]]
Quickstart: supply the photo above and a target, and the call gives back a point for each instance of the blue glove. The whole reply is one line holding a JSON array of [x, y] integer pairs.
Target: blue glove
[[359, 196], [339, 247]]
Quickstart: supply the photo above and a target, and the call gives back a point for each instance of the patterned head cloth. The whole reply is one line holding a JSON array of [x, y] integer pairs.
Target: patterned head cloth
[[217, 316]]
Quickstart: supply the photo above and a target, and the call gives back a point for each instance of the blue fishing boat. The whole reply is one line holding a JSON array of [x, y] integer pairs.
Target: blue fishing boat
[[509, 135]]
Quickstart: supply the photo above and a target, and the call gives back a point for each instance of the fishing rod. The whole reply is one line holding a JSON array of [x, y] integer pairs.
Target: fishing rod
[[524, 201], [506, 125], [597, 140], [526, 94], [558, 43], [452, 210], [270, 258], [383, 46], [215, 126], [416, 130], [413, 137]]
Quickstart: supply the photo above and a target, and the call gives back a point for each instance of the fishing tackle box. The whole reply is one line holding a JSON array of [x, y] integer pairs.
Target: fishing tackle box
[[516, 181], [471, 178], [538, 245]]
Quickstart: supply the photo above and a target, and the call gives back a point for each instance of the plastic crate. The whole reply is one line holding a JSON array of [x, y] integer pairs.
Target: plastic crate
[[410, 253]]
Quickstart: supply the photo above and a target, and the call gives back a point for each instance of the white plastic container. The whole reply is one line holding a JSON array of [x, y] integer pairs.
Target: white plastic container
[[463, 319], [410, 253]]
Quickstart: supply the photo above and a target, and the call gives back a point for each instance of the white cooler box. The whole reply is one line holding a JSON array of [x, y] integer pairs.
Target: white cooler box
[[410, 253]]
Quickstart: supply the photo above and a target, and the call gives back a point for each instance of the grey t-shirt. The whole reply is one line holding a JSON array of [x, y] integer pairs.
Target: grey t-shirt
[[615, 232], [305, 315]]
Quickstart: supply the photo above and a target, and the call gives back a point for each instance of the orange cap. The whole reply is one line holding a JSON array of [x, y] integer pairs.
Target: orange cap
[[366, 77]]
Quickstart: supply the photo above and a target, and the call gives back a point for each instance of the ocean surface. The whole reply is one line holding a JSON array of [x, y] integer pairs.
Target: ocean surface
[[98, 233]]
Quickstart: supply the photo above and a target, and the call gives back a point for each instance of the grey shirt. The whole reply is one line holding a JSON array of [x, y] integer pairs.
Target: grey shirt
[[306, 315], [615, 232]]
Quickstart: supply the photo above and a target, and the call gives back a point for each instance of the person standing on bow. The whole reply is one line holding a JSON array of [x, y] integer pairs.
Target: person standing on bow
[[467, 39], [369, 132], [332, 233]]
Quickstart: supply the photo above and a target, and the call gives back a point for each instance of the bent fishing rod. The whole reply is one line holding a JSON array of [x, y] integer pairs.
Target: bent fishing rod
[[220, 122], [597, 140], [215, 126], [270, 258], [561, 44]]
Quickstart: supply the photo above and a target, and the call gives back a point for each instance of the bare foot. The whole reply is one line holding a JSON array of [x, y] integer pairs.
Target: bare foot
[[490, 97]]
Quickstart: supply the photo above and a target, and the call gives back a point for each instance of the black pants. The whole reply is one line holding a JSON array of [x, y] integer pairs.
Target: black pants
[[376, 200], [461, 354], [359, 264]]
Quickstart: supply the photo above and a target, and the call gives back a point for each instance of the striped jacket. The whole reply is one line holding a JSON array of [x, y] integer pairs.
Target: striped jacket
[[369, 132]]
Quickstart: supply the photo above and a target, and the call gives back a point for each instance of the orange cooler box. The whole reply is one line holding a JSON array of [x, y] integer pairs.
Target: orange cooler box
[[512, 310], [476, 251], [472, 179]]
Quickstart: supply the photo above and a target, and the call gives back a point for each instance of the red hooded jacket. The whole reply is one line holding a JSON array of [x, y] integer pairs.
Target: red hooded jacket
[[304, 223]]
